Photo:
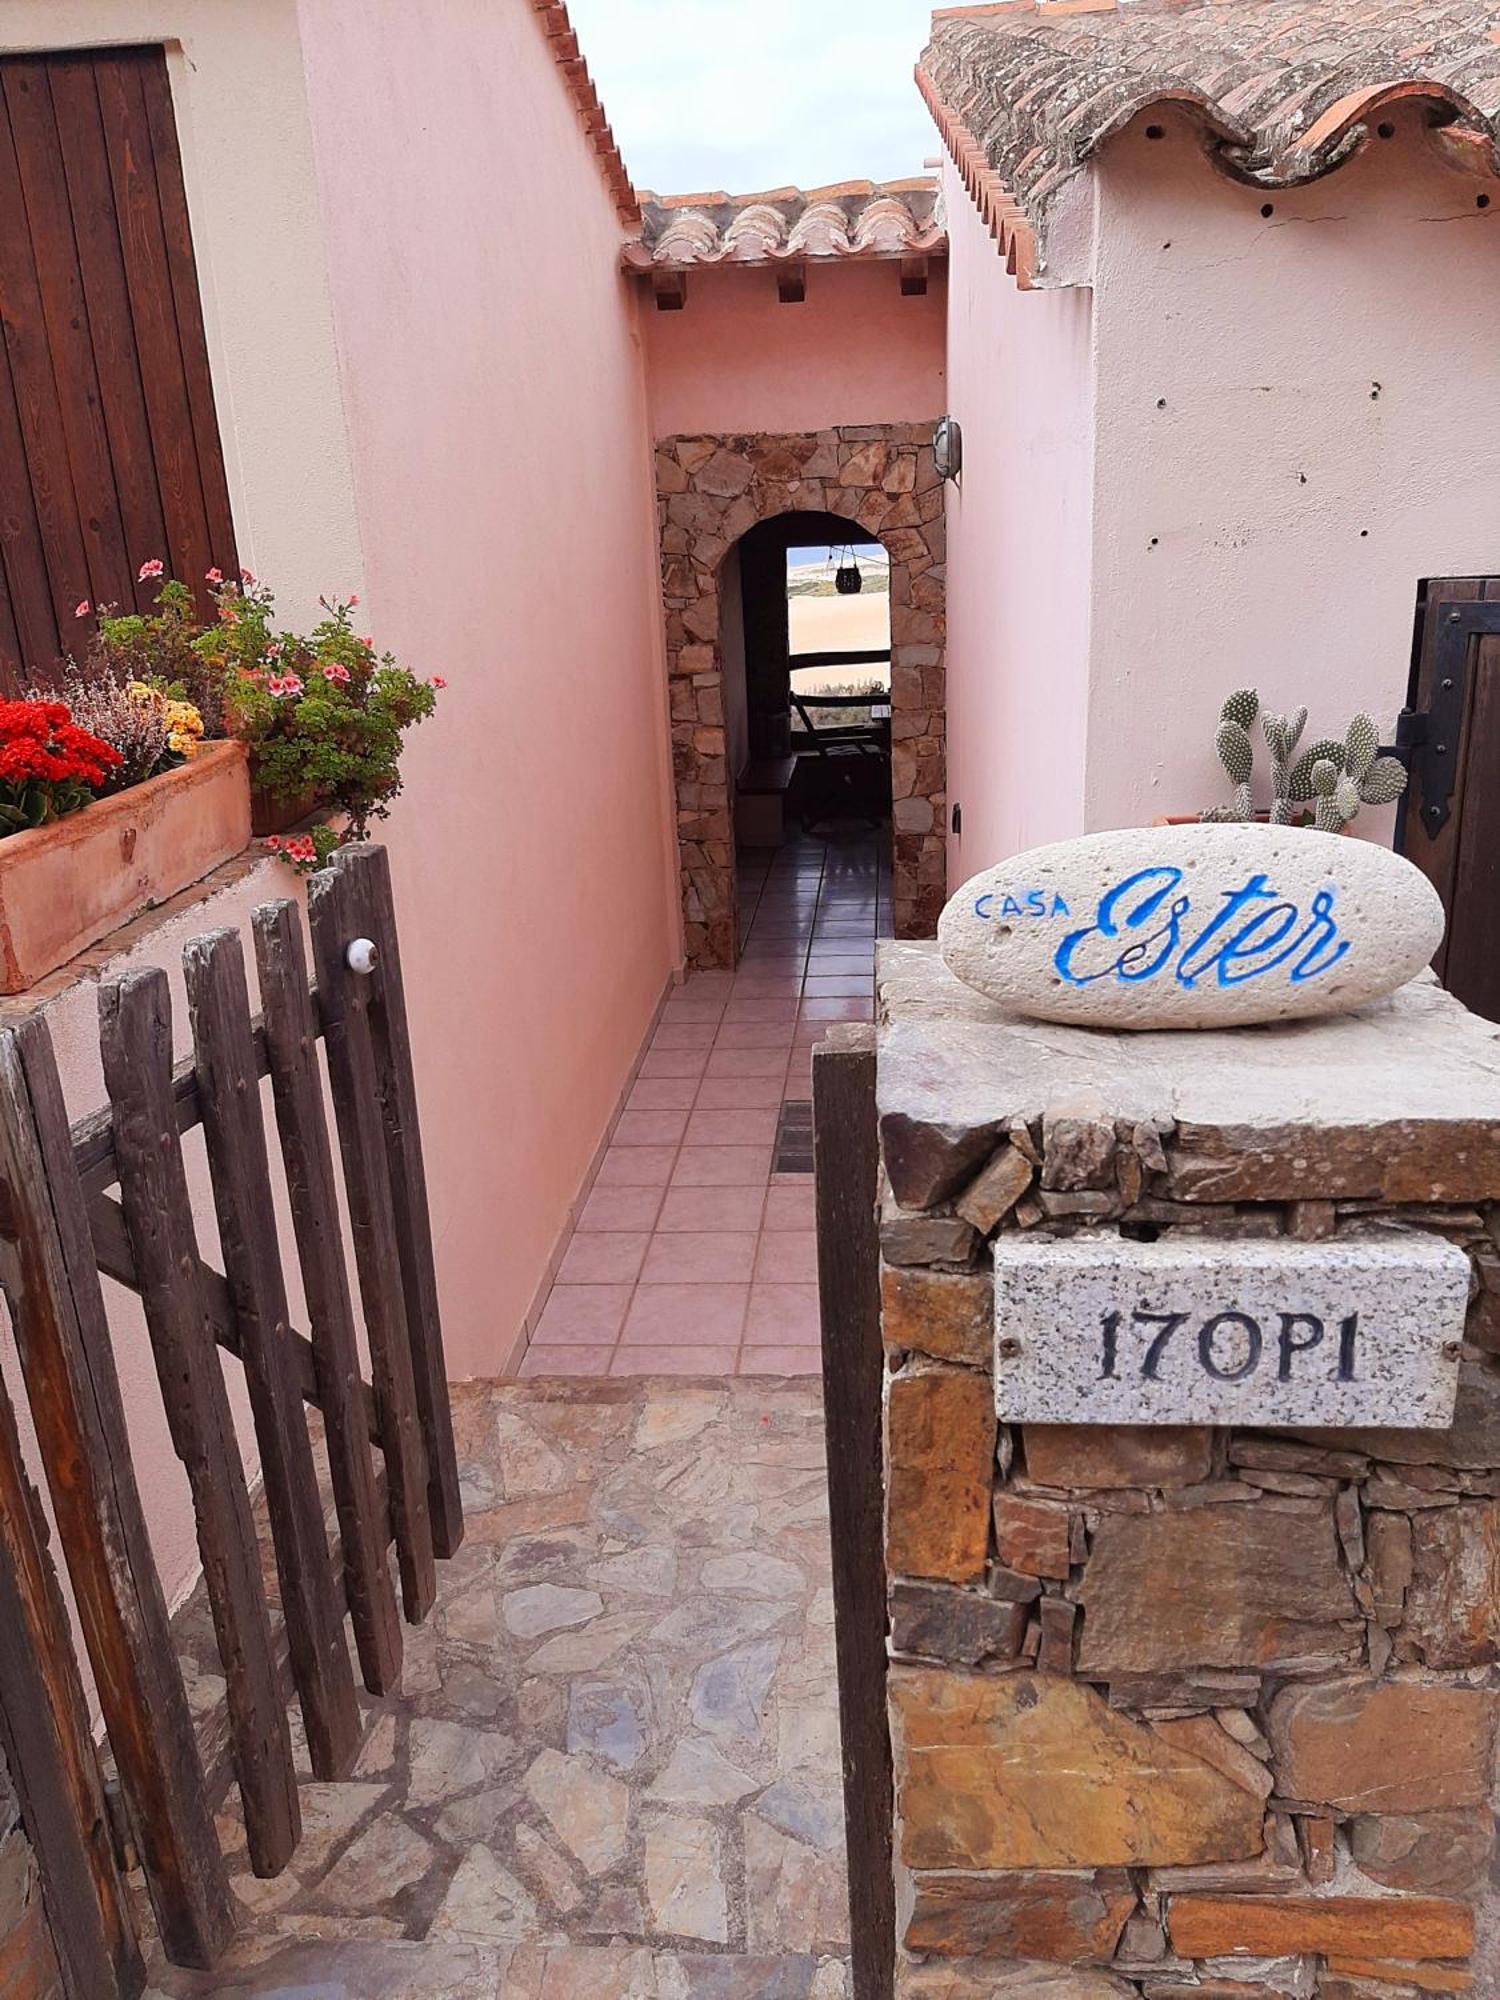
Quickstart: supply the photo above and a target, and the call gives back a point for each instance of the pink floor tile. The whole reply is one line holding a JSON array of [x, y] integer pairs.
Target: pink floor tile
[[732, 1128], [662, 1093], [739, 1093], [722, 1166], [746, 1062], [790, 1208], [620, 1208], [704, 986], [678, 1315], [782, 1313], [829, 960], [603, 1258], [736, 1208], [690, 1013], [780, 1361], [673, 1062], [754, 1035], [782, 1009], [715, 1362], [649, 1128], [684, 1035], [838, 1010], [837, 986], [766, 986], [698, 1257], [566, 1361], [788, 1256], [581, 1315], [636, 1166]]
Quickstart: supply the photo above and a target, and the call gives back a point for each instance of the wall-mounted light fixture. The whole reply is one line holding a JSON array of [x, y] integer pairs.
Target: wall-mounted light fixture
[[948, 448]]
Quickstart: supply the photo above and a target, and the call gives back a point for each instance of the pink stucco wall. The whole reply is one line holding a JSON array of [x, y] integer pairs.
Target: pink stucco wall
[[853, 352], [1298, 417], [1019, 378], [495, 400]]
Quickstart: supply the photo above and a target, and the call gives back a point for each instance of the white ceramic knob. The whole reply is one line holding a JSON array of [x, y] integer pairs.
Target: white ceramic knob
[[362, 955]]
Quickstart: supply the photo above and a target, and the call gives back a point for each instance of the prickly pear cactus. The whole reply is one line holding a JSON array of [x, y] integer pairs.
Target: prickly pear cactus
[[1334, 776], [1300, 787], [1236, 752]]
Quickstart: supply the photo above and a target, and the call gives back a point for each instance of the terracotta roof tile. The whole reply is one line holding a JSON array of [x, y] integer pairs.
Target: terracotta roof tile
[[1025, 91], [553, 18], [855, 219]]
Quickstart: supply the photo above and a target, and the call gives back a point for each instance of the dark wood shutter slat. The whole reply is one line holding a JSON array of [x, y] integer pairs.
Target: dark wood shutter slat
[[335, 917], [291, 1037], [43, 445], [219, 1005], [67, 1359], [96, 232], [136, 1045], [148, 276], [28, 99], [369, 866], [187, 299]]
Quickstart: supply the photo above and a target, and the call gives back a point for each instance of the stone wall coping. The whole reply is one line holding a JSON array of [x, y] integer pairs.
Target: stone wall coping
[[1399, 1101]]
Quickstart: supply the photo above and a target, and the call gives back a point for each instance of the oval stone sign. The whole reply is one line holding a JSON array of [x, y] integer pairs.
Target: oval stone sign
[[1201, 926]]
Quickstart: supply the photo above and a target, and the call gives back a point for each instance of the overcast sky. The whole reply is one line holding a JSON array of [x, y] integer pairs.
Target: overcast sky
[[751, 94]]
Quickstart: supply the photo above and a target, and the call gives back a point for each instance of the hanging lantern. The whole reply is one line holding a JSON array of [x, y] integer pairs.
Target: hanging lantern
[[848, 578]]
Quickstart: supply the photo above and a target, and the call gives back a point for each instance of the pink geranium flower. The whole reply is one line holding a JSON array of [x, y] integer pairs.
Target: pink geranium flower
[[436, 681], [353, 599], [214, 576], [284, 684], [246, 577], [333, 670], [151, 569], [82, 608]]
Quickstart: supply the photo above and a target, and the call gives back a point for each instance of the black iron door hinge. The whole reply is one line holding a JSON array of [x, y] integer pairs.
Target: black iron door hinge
[[1428, 738]]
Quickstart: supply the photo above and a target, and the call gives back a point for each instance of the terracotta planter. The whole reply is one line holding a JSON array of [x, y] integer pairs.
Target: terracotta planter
[[62, 887], [271, 813]]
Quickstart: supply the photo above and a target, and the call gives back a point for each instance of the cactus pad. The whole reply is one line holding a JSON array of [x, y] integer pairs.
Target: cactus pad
[[1360, 745], [1242, 707]]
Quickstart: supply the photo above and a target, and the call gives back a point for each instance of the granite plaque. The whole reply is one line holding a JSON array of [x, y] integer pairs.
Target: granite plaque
[[1101, 1330]]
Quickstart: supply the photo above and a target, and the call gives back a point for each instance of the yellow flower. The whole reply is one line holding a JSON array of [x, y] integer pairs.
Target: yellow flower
[[183, 718], [183, 744], [143, 692]]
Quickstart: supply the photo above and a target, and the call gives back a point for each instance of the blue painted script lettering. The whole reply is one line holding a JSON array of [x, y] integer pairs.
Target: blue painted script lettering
[[1141, 931]]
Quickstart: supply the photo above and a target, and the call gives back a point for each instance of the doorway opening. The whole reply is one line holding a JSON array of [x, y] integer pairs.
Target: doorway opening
[[806, 644]]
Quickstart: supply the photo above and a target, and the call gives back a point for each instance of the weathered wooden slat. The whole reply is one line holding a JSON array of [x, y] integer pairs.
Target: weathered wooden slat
[[136, 1044], [116, 1260], [219, 1006], [45, 1732], [63, 1340], [335, 918], [369, 867], [846, 1162], [291, 1041], [93, 1136]]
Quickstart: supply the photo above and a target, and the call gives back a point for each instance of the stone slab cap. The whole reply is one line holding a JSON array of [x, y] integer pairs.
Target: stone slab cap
[[1398, 1102]]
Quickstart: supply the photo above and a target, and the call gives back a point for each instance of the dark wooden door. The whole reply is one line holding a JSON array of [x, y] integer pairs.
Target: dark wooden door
[[109, 443], [1450, 818]]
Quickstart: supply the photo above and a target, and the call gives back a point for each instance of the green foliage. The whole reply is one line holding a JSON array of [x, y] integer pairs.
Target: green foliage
[[324, 714], [1242, 707]]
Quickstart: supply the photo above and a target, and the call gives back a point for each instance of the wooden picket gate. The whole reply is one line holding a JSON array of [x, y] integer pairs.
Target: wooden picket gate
[[60, 1227]]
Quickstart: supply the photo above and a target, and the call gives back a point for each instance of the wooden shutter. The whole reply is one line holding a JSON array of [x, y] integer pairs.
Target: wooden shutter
[[109, 443], [1450, 817]]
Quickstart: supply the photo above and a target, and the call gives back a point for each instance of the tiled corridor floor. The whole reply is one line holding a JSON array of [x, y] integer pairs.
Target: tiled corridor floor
[[613, 1771], [694, 1254]]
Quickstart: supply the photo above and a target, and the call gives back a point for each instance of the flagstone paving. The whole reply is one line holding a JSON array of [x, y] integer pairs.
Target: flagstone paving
[[614, 1766]]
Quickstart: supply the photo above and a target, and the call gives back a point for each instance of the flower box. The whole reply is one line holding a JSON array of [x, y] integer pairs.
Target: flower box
[[63, 886]]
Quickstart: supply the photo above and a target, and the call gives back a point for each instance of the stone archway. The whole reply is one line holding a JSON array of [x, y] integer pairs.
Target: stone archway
[[710, 491]]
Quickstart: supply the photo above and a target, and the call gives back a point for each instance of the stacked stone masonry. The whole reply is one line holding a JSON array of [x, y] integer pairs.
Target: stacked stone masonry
[[710, 491], [1184, 1714]]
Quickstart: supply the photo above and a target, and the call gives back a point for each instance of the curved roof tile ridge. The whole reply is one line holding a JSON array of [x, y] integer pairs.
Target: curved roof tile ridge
[[853, 219], [1026, 91]]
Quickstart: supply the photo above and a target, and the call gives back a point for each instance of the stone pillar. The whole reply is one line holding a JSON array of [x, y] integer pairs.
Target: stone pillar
[[1185, 1712]]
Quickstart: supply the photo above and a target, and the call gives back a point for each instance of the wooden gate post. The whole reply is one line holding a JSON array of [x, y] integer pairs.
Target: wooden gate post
[[62, 1335], [846, 1160], [45, 1729]]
